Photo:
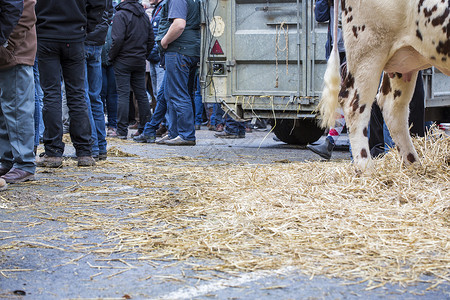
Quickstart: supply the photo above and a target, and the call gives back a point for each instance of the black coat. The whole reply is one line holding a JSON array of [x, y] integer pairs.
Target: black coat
[[68, 20], [98, 36], [132, 34]]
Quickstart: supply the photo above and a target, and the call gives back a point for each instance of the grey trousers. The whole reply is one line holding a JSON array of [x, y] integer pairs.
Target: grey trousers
[[17, 118]]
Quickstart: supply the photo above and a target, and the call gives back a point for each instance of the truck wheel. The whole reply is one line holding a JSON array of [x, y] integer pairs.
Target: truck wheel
[[298, 131]]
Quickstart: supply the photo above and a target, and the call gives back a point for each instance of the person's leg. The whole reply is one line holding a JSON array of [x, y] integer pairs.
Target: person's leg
[[417, 108], [234, 127], [111, 97], [158, 115], [198, 103], [73, 68], [17, 106], [376, 134], [50, 77], [137, 81], [88, 51], [123, 101], [178, 69], [95, 86], [37, 103]]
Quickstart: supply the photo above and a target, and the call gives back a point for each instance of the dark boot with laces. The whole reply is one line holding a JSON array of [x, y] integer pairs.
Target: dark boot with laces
[[323, 149]]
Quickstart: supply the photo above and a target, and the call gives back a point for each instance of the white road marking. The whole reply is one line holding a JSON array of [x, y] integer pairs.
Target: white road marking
[[196, 291]]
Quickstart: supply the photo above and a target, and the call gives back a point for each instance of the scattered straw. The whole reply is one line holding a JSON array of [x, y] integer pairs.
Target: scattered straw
[[391, 226]]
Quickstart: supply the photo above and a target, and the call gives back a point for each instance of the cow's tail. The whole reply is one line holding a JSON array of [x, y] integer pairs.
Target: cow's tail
[[332, 79]]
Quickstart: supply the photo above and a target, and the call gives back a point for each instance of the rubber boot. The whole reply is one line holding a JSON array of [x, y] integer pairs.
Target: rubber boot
[[324, 149]]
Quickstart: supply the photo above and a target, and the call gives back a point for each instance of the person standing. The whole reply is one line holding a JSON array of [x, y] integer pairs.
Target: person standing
[[179, 39], [323, 12], [61, 32], [156, 71], [93, 82], [17, 54], [132, 41]]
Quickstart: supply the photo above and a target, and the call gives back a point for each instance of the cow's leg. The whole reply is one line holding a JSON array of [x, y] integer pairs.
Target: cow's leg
[[356, 98], [394, 97]]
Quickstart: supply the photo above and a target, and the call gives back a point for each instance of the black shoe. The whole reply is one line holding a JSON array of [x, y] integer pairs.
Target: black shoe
[[3, 171], [144, 138], [324, 149], [101, 156]]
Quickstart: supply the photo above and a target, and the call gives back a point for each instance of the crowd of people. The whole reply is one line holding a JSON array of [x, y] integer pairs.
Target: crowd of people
[[134, 61], [66, 65]]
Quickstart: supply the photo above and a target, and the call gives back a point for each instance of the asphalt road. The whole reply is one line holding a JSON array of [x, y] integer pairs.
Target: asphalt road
[[40, 259]]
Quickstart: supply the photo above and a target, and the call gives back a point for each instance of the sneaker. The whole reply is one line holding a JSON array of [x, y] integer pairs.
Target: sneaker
[[144, 138], [161, 130], [226, 135], [179, 141], [86, 161], [163, 140], [324, 149], [46, 161], [112, 132]]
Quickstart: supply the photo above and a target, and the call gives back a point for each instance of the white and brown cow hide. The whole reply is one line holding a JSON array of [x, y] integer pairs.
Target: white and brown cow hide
[[398, 38]]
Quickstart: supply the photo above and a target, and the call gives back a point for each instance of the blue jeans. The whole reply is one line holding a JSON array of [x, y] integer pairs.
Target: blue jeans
[[217, 115], [93, 84], [68, 57], [156, 76], [234, 127], [38, 95], [159, 114], [109, 94], [179, 83], [16, 110], [198, 103]]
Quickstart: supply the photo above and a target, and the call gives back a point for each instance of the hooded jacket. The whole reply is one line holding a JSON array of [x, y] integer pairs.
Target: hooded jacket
[[132, 34], [68, 20], [21, 49]]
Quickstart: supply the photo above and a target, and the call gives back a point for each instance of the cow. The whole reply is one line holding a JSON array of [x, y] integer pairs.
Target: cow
[[389, 39]]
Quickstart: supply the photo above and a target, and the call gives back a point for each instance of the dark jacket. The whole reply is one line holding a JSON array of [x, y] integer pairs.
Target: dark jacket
[[68, 20], [10, 12], [132, 34], [322, 13], [106, 47], [156, 17], [22, 43], [98, 36]]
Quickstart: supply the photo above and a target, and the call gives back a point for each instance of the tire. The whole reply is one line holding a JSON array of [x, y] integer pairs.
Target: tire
[[297, 131]]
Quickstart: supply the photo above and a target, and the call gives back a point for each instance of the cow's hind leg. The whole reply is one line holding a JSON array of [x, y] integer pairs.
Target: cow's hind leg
[[393, 99], [356, 97]]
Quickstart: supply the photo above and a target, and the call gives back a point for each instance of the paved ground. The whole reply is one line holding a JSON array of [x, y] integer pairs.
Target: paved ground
[[41, 259]]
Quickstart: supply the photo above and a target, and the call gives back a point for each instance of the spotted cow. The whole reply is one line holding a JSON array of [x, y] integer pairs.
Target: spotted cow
[[394, 38]]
